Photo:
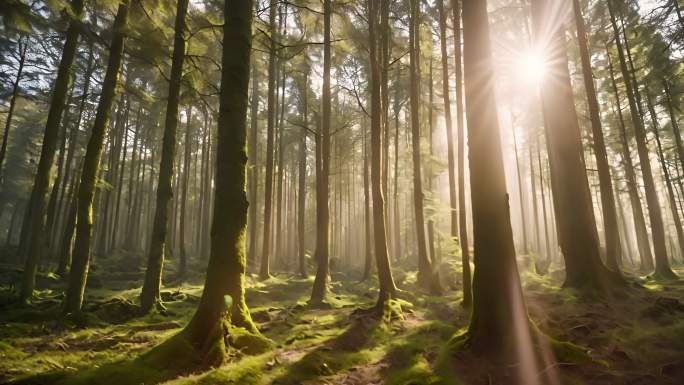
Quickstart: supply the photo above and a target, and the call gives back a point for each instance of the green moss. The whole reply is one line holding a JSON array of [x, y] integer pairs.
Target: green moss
[[247, 371], [248, 343]]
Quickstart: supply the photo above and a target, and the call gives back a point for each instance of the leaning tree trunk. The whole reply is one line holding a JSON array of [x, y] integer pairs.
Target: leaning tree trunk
[[613, 252], [223, 299], [320, 285], [578, 237], [662, 265], [462, 215], [36, 208], [91, 162], [150, 296]]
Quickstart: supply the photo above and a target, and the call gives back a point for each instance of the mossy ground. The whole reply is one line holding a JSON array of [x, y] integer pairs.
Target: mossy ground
[[638, 339]]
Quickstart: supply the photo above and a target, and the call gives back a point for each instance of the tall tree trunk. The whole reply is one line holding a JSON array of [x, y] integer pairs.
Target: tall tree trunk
[[223, 299], [301, 215], [368, 251], [662, 265], [430, 174], [520, 186], [499, 313], [36, 213], [387, 286], [252, 168], [184, 197], [666, 175], [149, 295], [451, 160], [426, 277], [320, 285], [462, 215], [91, 161], [578, 237], [264, 269], [119, 183], [613, 251], [395, 200], [645, 256]]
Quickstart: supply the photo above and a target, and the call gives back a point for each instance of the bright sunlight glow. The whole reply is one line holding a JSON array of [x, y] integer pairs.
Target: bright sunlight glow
[[532, 67]]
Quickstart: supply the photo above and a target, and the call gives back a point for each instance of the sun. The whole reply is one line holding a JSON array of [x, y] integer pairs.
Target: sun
[[531, 67]]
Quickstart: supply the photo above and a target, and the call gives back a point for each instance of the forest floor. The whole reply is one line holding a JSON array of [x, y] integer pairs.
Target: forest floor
[[635, 339]]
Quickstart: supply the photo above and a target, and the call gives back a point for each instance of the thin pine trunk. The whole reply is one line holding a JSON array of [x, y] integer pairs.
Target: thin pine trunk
[[86, 189], [36, 208]]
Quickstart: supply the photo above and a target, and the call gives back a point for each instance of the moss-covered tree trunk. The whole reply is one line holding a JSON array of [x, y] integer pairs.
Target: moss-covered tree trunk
[[264, 268], [662, 264], [149, 296], [578, 236], [224, 283], [462, 214], [499, 312], [320, 285], [36, 209], [91, 162], [387, 286]]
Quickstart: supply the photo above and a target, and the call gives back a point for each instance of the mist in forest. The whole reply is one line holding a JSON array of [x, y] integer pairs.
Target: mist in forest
[[342, 192]]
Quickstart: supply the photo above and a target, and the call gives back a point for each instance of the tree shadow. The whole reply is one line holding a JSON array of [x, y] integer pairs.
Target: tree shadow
[[336, 354]]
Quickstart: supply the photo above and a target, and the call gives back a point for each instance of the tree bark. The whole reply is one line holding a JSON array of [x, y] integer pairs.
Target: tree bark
[[149, 295], [613, 250], [264, 268], [253, 170], [462, 215], [645, 256], [576, 224], [184, 197], [86, 189], [36, 214], [662, 265], [499, 312], [387, 286], [426, 277], [666, 175], [223, 298], [320, 285]]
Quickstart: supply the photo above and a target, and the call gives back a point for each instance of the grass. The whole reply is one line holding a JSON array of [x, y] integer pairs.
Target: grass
[[331, 345]]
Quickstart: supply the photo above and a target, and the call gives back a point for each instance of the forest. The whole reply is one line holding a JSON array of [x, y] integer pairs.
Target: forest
[[286, 192]]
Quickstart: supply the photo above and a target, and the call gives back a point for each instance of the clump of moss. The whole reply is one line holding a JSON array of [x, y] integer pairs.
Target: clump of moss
[[248, 343]]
